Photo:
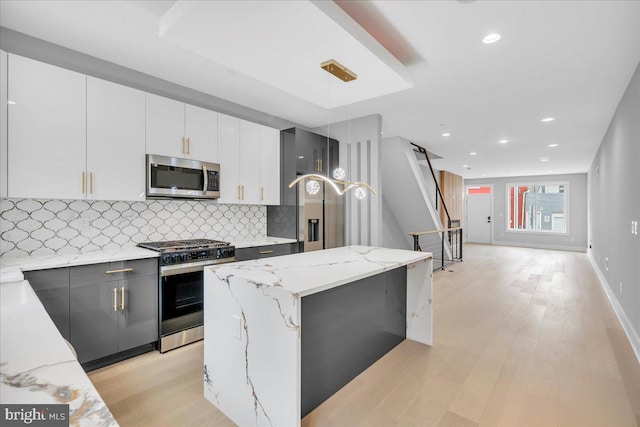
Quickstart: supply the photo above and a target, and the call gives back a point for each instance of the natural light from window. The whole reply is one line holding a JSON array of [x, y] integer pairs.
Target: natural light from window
[[537, 207]]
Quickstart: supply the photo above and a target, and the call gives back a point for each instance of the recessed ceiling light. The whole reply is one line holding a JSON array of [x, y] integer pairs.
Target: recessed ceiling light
[[484, 174], [503, 141], [491, 38], [473, 153], [552, 145], [465, 166], [446, 134], [548, 119], [381, 132], [544, 159], [549, 171]]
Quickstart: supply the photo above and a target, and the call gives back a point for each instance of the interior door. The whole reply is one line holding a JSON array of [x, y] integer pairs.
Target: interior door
[[478, 214]]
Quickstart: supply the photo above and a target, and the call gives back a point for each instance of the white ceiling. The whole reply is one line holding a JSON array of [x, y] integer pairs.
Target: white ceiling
[[571, 60]]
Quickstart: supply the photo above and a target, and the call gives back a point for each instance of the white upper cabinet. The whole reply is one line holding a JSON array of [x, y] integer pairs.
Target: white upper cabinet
[[201, 131], [46, 131], [229, 158], [3, 123], [115, 141], [269, 166], [176, 129], [249, 163], [165, 127]]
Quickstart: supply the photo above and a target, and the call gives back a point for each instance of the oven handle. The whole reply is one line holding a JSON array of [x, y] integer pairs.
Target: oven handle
[[172, 270], [206, 179]]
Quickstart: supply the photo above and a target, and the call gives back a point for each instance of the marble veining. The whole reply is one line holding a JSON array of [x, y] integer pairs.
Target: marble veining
[[253, 323], [84, 407]]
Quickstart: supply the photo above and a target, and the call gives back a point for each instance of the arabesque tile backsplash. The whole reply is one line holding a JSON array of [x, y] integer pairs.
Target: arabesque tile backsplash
[[35, 226]]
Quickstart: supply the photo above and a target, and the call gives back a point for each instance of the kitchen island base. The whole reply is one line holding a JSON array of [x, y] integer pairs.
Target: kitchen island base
[[255, 323]]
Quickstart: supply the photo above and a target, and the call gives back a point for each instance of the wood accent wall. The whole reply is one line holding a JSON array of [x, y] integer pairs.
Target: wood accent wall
[[452, 193]]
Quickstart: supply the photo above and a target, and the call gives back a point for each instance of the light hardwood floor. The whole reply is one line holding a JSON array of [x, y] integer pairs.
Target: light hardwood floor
[[523, 337]]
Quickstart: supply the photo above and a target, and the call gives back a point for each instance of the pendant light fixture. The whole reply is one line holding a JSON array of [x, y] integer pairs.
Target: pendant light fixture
[[338, 182]]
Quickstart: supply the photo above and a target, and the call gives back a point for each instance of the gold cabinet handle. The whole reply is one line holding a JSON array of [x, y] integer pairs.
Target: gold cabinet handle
[[122, 298], [115, 299], [265, 252], [188, 145], [82, 182], [243, 192], [122, 270], [238, 192], [320, 160], [261, 193], [91, 182], [183, 145]]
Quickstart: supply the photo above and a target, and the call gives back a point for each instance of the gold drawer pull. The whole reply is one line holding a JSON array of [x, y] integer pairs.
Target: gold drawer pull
[[261, 193], [122, 299], [243, 192], [82, 182], [183, 145], [238, 192], [265, 252], [115, 299], [91, 182], [189, 146], [122, 270]]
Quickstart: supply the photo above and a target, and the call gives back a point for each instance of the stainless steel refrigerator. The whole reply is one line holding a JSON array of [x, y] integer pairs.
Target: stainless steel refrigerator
[[320, 218]]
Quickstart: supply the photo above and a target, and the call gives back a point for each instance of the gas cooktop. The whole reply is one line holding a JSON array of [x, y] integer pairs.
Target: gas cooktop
[[181, 245]]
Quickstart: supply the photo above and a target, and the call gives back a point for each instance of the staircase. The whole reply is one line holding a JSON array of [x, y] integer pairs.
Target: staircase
[[410, 196]]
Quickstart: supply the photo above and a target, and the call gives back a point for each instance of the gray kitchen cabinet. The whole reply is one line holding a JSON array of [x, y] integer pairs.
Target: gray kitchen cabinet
[[256, 252], [113, 307], [52, 288]]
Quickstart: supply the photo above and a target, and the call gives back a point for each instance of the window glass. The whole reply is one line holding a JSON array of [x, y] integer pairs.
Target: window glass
[[537, 207]]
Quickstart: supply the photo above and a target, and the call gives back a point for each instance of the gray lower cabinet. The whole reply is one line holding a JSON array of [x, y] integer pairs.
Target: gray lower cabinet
[[113, 307], [102, 309], [52, 288], [243, 254]]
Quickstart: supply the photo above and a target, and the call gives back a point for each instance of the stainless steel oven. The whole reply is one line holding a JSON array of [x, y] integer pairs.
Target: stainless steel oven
[[181, 292], [184, 178]]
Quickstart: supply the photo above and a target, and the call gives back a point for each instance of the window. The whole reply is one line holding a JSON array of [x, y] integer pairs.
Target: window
[[537, 207]]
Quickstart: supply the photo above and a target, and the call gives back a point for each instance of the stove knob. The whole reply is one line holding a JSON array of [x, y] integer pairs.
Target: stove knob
[[166, 259], [185, 258], [175, 258]]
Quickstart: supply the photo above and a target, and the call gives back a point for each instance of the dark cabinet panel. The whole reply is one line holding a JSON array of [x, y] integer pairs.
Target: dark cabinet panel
[[334, 157], [94, 319], [244, 254], [52, 288], [138, 321]]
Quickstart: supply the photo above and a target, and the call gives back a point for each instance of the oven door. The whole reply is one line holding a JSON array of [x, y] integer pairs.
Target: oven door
[[181, 300]]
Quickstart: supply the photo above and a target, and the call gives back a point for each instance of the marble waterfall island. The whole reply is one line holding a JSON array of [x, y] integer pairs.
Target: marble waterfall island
[[283, 334]]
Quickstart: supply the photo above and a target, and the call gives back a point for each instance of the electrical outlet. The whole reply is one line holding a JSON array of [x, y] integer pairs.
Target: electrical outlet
[[620, 288]]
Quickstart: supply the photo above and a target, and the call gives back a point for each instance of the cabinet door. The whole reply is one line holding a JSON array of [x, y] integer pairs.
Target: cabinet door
[[138, 320], [115, 141], [269, 166], [228, 152], [249, 163], [47, 130], [94, 319], [165, 127], [3, 123], [52, 288], [311, 153], [201, 131]]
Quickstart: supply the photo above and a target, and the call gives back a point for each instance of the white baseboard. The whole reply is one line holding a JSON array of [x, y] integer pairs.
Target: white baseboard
[[540, 246], [631, 333]]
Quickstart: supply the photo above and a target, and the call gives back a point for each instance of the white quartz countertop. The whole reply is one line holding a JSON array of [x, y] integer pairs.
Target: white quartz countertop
[[263, 241], [307, 273], [37, 366], [42, 262]]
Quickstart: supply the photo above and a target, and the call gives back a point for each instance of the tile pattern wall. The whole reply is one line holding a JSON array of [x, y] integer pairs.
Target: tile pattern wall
[[33, 227]]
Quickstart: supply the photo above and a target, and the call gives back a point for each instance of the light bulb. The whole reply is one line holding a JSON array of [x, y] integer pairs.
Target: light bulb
[[339, 174], [360, 193], [313, 187]]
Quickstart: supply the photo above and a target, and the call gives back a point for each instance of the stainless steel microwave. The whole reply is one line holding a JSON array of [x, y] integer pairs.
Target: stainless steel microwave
[[185, 178]]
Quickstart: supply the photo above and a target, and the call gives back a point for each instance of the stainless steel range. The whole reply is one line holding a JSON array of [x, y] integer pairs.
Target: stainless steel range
[[181, 282]]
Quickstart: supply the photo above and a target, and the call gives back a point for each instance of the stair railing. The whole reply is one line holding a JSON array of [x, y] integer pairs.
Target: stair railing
[[438, 192]]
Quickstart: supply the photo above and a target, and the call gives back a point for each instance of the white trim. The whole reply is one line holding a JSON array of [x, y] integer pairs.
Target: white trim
[[566, 206], [541, 246], [632, 335]]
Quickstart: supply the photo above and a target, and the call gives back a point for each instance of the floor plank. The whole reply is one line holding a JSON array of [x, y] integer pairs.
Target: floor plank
[[522, 337]]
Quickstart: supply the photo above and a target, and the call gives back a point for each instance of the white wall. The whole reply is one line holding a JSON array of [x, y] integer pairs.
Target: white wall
[[575, 240], [359, 157], [614, 201]]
